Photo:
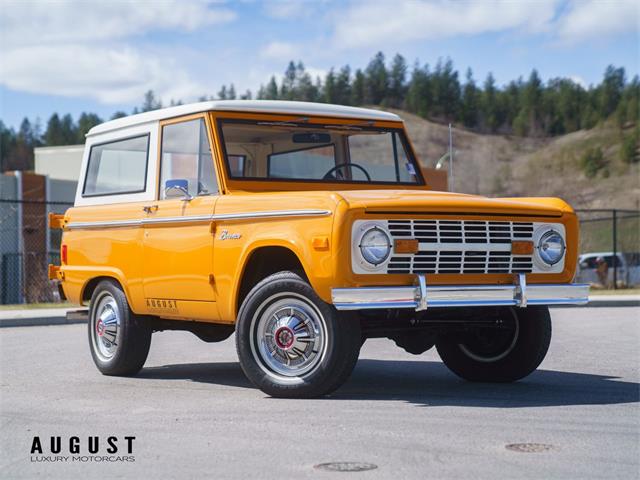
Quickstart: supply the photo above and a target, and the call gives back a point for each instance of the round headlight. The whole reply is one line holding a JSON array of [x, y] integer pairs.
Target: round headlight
[[551, 247], [375, 246]]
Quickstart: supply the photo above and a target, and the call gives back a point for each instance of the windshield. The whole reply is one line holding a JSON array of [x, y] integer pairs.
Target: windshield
[[282, 151]]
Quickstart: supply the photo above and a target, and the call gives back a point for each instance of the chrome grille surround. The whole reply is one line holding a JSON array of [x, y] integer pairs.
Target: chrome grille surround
[[459, 247]]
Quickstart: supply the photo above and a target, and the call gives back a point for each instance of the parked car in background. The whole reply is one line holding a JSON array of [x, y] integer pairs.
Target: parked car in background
[[627, 267]]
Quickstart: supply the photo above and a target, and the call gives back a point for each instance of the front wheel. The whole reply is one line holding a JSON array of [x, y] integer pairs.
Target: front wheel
[[292, 344], [503, 354]]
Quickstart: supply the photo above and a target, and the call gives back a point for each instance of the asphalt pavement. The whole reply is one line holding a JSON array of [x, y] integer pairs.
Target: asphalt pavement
[[194, 415]]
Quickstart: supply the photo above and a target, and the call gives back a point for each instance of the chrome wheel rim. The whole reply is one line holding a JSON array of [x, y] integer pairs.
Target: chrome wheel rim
[[503, 352], [105, 329], [288, 336]]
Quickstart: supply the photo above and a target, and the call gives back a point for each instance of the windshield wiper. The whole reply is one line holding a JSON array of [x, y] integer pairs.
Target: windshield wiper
[[343, 127], [287, 124]]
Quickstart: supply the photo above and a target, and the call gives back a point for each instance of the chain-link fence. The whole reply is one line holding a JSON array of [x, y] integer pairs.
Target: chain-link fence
[[27, 247], [609, 248]]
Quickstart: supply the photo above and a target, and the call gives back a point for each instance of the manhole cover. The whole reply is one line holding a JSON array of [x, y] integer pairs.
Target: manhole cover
[[346, 466], [529, 447]]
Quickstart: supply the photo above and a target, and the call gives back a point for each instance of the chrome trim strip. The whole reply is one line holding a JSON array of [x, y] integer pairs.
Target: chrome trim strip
[[458, 296], [274, 213], [195, 218], [103, 224], [187, 219]]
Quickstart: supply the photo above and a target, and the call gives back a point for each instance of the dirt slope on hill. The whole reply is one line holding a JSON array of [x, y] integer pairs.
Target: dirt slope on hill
[[498, 165]]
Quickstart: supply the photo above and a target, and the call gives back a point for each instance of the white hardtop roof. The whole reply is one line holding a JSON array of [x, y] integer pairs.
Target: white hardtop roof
[[254, 106]]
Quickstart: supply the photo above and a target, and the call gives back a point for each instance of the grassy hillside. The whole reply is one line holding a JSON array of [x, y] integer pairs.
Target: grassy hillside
[[497, 165]]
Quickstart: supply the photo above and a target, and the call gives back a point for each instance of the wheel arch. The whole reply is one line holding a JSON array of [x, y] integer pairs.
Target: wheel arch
[[90, 286], [262, 261]]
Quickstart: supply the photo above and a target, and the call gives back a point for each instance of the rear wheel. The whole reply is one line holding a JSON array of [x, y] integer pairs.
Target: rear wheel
[[506, 354], [292, 344], [119, 339]]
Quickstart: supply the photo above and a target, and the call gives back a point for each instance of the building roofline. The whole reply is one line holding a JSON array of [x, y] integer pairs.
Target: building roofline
[[58, 147], [253, 106]]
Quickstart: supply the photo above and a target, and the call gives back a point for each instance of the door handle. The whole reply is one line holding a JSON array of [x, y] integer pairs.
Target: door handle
[[150, 208]]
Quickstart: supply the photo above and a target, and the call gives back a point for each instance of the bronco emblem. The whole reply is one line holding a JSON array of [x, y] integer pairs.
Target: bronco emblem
[[225, 235]]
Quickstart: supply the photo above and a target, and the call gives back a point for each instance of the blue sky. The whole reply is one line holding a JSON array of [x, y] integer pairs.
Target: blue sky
[[71, 56]]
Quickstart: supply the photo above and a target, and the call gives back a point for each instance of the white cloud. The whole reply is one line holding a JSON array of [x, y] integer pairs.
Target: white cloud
[[38, 22], [367, 24], [110, 75], [593, 19], [82, 49], [282, 51], [289, 9], [579, 80]]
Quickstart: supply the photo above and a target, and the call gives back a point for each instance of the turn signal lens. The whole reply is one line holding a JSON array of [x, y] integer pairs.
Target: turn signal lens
[[63, 254], [521, 247], [405, 245]]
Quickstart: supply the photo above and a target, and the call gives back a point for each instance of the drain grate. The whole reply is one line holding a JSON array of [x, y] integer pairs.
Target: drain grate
[[346, 466], [529, 447]]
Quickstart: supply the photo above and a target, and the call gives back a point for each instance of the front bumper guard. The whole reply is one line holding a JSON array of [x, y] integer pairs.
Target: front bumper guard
[[422, 296]]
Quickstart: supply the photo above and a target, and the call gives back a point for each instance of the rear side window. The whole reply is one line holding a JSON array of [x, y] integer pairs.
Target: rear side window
[[117, 167]]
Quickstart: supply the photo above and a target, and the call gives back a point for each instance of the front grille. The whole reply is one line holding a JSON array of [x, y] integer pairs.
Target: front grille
[[461, 246]]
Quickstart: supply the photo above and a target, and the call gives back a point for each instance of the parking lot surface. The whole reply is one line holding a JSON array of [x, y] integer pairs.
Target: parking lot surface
[[193, 413]]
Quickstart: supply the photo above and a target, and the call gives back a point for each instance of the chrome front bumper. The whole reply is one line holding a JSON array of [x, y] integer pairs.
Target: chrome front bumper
[[421, 296]]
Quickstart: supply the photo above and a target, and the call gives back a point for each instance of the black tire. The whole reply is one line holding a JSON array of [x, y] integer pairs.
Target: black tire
[[330, 355], [132, 336], [510, 358]]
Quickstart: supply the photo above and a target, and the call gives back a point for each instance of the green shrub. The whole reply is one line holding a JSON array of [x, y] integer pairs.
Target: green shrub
[[629, 148], [592, 162]]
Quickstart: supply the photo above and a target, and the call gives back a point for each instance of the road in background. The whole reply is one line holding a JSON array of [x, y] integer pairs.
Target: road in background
[[194, 414]]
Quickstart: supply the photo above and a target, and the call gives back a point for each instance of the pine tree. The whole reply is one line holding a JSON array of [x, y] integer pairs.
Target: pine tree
[[68, 130], [419, 95], [610, 91], [489, 104], [150, 102], [343, 86], [532, 104], [271, 92], [376, 80], [86, 122], [53, 135], [397, 79], [358, 88], [287, 90], [330, 93], [470, 101]]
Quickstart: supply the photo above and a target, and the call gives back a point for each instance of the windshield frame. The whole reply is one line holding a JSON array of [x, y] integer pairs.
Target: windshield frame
[[319, 123]]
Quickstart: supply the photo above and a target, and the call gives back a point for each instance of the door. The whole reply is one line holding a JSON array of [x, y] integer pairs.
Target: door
[[178, 239]]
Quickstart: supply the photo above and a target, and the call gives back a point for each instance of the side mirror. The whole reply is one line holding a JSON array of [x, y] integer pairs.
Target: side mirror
[[178, 188]]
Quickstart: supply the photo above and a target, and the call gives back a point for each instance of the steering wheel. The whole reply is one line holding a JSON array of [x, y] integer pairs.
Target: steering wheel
[[329, 174]]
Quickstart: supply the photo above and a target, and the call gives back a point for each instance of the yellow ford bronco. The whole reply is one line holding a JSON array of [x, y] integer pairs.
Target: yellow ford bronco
[[305, 229]]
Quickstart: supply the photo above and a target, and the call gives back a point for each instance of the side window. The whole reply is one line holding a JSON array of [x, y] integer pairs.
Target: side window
[[237, 164], [186, 156], [117, 167]]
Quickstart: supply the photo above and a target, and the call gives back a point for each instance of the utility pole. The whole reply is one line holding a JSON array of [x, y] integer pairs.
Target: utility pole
[[615, 249], [450, 159]]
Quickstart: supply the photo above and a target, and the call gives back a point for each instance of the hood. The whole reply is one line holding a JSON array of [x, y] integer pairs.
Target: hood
[[415, 201]]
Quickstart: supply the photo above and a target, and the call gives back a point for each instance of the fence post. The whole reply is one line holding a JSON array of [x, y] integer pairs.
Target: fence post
[[615, 249]]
